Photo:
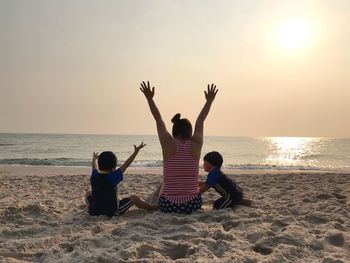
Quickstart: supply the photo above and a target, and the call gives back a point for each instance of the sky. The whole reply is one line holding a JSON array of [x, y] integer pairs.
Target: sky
[[282, 67]]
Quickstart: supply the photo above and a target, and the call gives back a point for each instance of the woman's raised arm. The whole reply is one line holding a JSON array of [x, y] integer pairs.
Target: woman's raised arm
[[198, 130], [163, 134]]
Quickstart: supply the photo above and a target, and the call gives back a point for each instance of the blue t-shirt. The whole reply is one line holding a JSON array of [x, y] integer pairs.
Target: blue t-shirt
[[114, 177], [221, 183], [104, 192]]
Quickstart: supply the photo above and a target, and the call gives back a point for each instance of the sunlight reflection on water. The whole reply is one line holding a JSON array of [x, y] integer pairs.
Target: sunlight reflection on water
[[292, 150]]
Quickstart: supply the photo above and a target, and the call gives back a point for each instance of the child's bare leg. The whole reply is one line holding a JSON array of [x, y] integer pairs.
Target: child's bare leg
[[153, 198], [159, 191], [140, 203], [87, 194]]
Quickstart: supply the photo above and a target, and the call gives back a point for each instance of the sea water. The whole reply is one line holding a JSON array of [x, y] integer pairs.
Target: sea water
[[245, 153]]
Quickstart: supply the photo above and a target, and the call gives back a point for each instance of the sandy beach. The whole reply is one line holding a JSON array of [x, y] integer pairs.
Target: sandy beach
[[299, 217]]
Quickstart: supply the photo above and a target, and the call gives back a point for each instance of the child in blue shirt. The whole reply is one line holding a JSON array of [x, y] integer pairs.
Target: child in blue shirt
[[103, 198], [230, 192]]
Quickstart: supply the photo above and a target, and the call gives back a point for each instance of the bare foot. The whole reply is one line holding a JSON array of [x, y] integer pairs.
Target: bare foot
[[246, 202], [208, 202], [87, 194], [140, 203]]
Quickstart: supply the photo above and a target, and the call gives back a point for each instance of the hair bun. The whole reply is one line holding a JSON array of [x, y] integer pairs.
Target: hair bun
[[176, 118]]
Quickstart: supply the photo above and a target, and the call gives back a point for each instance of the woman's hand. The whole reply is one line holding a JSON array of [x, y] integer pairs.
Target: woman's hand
[[211, 93], [146, 90]]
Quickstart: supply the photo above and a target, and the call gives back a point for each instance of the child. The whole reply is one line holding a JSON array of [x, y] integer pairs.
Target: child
[[103, 199], [231, 193]]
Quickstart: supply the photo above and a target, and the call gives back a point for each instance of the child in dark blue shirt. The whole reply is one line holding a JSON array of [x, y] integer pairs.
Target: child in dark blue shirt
[[230, 192], [103, 198]]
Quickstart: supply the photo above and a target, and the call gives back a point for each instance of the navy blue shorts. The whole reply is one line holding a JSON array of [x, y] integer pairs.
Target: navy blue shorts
[[122, 207], [167, 206]]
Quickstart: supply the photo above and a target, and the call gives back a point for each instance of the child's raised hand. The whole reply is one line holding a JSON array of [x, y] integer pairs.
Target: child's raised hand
[[94, 160], [94, 155], [138, 148], [211, 92], [146, 90]]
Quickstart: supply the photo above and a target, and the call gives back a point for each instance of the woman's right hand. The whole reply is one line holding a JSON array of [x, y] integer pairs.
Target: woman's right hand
[[211, 93], [146, 90]]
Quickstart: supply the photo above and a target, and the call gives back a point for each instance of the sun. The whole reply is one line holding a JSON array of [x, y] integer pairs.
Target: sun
[[293, 34]]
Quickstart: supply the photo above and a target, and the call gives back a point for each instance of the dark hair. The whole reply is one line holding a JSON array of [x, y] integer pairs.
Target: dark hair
[[214, 158], [182, 128], [107, 161]]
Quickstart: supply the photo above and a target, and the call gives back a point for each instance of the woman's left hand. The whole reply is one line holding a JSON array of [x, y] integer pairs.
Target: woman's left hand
[[146, 90]]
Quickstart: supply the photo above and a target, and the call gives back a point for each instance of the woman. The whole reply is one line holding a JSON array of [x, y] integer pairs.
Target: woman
[[181, 154]]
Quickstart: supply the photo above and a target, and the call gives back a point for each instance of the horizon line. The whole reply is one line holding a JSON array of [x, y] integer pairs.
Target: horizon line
[[154, 134]]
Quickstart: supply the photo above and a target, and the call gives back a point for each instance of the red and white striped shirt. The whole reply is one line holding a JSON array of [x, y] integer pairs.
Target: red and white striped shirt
[[181, 174]]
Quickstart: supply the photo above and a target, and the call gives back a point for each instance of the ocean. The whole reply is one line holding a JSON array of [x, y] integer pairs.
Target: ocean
[[243, 153]]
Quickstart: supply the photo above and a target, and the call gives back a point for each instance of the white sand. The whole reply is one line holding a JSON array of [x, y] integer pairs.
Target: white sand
[[299, 218]]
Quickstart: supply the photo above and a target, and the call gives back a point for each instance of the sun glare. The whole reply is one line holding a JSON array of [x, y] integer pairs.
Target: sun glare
[[293, 34], [291, 150]]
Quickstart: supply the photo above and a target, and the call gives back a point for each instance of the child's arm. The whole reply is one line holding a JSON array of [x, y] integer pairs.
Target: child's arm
[[94, 160], [198, 130], [203, 187], [163, 134], [210, 181], [132, 157]]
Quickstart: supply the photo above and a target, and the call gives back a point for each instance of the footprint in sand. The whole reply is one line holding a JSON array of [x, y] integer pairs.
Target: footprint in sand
[[144, 250], [317, 245], [179, 251], [324, 196], [339, 196], [102, 242], [307, 200], [230, 224], [317, 219], [330, 259], [262, 249], [172, 251], [67, 248], [283, 221], [335, 239], [119, 231]]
